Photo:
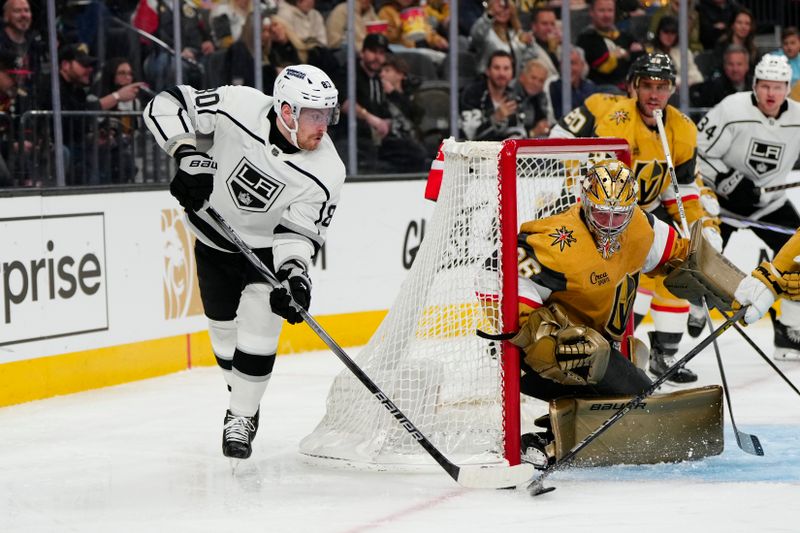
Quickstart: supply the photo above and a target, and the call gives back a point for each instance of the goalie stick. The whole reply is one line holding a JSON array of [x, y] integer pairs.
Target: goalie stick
[[537, 486], [472, 476], [746, 442]]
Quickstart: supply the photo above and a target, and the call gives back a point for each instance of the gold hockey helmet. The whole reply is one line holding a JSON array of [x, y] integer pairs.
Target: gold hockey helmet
[[609, 194]]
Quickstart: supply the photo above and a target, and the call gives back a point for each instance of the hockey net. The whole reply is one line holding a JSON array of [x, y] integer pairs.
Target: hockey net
[[461, 389]]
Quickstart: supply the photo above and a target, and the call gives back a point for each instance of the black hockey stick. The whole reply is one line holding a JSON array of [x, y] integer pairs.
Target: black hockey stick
[[781, 187], [747, 442], [760, 352], [732, 219], [472, 476], [537, 486]]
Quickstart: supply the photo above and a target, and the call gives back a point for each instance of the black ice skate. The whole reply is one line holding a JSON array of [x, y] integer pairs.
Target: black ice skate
[[660, 361], [237, 435], [533, 448], [787, 340], [696, 322]]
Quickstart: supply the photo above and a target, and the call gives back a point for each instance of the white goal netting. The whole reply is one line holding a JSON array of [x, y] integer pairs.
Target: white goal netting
[[426, 355]]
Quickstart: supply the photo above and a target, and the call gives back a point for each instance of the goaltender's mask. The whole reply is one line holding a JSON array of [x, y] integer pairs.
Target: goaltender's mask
[[609, 195]]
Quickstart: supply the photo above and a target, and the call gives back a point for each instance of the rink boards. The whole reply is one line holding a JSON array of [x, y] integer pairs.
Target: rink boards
[[99, 289]]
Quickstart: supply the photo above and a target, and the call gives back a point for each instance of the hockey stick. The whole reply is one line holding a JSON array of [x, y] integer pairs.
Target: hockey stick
[[537, 486], [746, 442], [783, 186], [760, 352], [733, 219], [473, 476]]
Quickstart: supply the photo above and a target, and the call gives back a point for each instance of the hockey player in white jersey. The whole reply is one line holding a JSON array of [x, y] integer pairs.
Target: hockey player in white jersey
[[273, 173], [748, 141]]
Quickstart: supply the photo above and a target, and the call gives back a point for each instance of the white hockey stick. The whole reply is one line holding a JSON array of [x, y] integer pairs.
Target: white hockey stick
[[746, 442], [773, 188], [476, 477]]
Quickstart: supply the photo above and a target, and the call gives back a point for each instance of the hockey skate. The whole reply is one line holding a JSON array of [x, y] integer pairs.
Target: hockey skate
[[237, 435], [660, 362], [787, 340], [533, 447], [696, 322]]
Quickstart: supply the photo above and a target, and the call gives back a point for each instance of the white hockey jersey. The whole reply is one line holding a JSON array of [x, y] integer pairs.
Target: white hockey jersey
[[272, 194], [736, 135]]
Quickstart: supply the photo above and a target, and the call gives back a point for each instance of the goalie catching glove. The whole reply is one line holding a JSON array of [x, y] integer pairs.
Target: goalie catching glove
[[194, 179], [295, 282], [762, 287], [560, 351]]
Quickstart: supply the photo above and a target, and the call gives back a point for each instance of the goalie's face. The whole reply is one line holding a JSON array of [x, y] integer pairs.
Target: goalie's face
[[609, 196]]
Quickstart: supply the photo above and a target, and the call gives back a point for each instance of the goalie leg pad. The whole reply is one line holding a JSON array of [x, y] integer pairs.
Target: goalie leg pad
[[705, 272], [680, 426]]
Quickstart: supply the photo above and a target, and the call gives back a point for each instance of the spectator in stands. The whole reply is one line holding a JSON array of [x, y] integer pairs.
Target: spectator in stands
[[8, 95], [742, 31], [18, 38], [489, 108], [336, 23], [308, 26], [546, 43], [790, 47], [672, 9], [666, 40], [735, 77], [277, 51], [498, 29], [608, 50], [409, 27], [196, 40], [115, 134], [401, 146], [715, 16], [529, 92], [227, 20], [373, 118], [438, 13], [581, 87], [75, 75]]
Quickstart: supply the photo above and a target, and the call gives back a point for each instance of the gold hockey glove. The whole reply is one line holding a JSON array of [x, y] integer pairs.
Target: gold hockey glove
[[561, 351]]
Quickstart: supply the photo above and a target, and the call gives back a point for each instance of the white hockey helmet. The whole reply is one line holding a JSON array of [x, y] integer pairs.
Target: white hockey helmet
[[773, 68], [305, 86]]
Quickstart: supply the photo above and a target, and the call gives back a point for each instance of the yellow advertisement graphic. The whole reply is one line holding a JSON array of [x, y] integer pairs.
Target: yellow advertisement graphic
[[181, 292]]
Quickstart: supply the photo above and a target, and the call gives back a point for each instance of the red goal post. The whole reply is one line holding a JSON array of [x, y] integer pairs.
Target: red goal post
[[459, 388]]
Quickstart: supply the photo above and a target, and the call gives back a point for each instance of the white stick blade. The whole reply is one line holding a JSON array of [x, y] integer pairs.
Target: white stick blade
[[493, 477]]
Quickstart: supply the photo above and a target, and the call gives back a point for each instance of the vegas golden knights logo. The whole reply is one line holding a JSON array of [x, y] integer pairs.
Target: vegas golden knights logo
[[181, 292], [624, 295], [652, 176]]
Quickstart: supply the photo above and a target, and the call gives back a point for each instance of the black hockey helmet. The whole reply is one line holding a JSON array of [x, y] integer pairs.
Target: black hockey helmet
[[655, 66]]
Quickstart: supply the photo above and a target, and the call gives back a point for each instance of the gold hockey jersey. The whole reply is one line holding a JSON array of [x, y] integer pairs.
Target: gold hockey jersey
[[558, 262], [604, 115]]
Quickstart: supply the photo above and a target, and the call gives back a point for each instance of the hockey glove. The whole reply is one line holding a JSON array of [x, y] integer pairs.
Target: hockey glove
[[194, 180], [560, 351], [295, 281], [758, 291], [738, 193]]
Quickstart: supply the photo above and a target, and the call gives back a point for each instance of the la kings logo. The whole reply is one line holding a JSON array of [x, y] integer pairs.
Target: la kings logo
[[764, 158], [252, 189]]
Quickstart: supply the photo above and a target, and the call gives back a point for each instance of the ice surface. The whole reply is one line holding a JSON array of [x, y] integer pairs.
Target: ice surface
[[146, 457]]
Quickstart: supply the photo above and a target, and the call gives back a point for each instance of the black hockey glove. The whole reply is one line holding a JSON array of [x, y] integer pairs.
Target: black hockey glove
[[194, 180], [737, 193], [294, 277]]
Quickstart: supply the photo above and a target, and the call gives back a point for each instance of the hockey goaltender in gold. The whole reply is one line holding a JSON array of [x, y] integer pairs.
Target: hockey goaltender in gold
[[578, 273]]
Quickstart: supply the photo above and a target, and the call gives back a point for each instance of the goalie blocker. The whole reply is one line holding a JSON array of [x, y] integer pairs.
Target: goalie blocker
[[705, 272]]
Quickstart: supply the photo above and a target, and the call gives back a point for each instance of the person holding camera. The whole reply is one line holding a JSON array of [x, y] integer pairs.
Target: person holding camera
[[490, 109]]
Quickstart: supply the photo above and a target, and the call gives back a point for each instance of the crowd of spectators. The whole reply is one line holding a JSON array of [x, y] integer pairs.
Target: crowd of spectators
[[113, 56]]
